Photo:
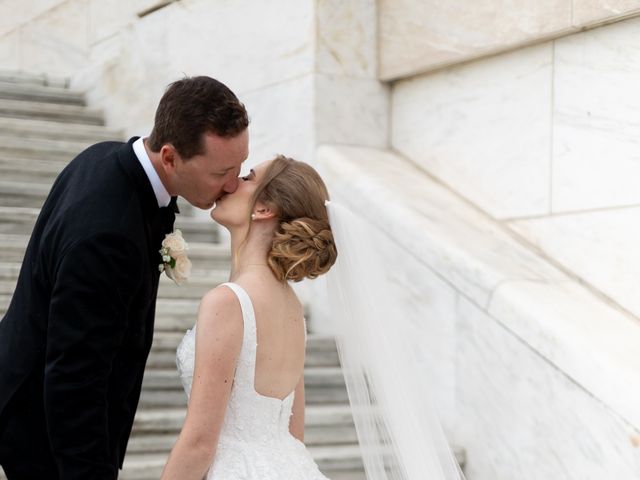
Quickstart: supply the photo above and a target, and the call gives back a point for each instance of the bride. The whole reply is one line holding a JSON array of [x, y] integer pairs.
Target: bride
[[242, 364]]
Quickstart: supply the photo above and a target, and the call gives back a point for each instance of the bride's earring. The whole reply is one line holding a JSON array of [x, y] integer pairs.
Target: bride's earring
[[253, 216]]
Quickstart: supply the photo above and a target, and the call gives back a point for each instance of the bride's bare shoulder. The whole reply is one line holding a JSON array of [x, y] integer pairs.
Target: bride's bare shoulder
[[219, 305]]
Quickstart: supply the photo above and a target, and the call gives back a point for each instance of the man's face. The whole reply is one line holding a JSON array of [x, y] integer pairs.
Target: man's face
[[204, 178]]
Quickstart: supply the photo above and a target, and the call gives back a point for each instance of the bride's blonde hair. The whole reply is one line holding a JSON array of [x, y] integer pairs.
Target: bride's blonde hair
[[303, 245]]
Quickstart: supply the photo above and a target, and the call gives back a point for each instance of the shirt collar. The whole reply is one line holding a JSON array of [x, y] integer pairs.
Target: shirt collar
[[162, 195]]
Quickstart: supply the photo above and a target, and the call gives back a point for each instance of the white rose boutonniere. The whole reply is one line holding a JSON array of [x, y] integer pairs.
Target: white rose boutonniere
[[175, 262]]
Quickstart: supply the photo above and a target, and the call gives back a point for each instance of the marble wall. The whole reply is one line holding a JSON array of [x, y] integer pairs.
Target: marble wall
[[422, 35], [483, 128], [351, 103], [544, 138], [265, 58], [57, 37], [534, 375]]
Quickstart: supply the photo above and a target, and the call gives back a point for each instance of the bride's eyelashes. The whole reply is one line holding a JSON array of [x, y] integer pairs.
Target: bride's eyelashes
[[252, 174]]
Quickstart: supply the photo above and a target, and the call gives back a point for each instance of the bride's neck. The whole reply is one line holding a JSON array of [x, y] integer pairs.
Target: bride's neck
[[250, 252]]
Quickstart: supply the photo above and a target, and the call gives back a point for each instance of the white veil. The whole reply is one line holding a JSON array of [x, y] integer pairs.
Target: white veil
[[398, 430]]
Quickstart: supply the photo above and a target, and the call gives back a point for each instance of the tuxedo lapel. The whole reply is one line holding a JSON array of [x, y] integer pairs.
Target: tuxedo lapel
[[157, 222]]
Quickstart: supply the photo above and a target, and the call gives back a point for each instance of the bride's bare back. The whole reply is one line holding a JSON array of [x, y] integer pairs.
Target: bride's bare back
[[280, 332]]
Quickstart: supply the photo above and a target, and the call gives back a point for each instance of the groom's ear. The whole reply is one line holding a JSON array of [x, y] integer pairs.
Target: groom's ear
[[168, 157], [263, 211]]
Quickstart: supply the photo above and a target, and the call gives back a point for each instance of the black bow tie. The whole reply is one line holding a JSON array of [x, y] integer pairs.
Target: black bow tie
[[173, 205], [167, 215]]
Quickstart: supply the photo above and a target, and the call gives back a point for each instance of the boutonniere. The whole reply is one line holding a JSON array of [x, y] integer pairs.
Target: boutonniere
[[175, 262]]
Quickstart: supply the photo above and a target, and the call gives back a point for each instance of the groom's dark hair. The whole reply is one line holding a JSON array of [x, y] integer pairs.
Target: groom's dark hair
[[191, 107]]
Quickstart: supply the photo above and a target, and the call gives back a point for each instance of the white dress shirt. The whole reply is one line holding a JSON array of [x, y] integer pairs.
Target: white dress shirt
[[162, 195]]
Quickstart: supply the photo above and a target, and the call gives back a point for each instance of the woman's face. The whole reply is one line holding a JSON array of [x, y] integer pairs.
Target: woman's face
[[234, 209]]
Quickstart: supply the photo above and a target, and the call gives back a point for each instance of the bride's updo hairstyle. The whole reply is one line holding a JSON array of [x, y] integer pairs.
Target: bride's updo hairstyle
[[303, 244]]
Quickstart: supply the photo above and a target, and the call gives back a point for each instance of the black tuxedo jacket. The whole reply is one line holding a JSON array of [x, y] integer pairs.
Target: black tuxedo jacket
[[76, 336]]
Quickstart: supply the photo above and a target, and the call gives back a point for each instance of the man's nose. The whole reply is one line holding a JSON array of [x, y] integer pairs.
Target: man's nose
[[232, 185]]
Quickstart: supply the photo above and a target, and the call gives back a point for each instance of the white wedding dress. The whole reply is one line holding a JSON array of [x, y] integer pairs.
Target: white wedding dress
[[255, 443]]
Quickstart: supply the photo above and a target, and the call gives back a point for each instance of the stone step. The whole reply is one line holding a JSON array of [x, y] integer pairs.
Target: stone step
[[40, 148], [348, 475], [168, 341], [29, 78], [167, 420], [320, 352], [168, 379], [9, 271], [43, 129], [13, 247], [197, 230], [37, 171], [23, 194], [179, 314], [205, 257], [50, 111], [164, 359], [20, 220], [154, 474], [337, 458], [23, 170], [176, 316], [195, 287], [176, 398], [314, 435], [40, 93], [162, 441]]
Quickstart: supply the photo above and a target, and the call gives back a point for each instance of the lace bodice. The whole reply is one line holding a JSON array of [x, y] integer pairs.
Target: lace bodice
[[254, 442]]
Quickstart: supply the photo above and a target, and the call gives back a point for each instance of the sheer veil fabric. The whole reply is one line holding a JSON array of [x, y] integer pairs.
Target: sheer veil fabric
[[398, 428]]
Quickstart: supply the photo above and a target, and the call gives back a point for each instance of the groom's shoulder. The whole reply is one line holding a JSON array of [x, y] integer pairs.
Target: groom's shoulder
[[102, 149]]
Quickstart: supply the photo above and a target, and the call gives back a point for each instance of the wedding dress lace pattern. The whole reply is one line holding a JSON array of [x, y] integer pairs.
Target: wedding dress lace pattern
[[255, 442]]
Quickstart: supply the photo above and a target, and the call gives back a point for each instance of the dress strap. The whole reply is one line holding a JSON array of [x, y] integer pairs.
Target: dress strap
[[248, 314]]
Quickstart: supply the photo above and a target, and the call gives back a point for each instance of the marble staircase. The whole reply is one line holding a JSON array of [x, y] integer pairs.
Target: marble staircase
[[42, 127]]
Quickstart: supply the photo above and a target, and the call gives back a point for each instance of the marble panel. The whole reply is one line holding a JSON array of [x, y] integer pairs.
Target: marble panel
[[419, 35], [10, 51], [278, 98], [595, 11], [523, 417], [483, 128], [346, 38], [16, 13], [226, 38], [459, 243], [124, 74], [107, 18], [281, 121], [592, 342], [351, 111], [58, 42], [596, 146], [601, 247]]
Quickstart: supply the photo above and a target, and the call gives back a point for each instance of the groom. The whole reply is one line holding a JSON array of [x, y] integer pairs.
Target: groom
[[75, 339]]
